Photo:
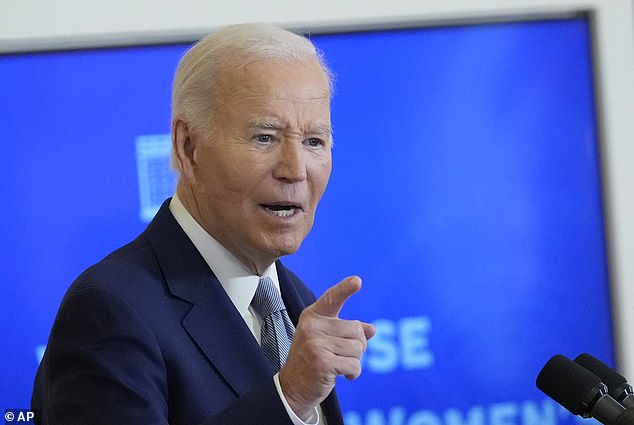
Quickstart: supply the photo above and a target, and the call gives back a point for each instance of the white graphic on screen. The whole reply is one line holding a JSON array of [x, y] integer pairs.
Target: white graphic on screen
[[157, 180]]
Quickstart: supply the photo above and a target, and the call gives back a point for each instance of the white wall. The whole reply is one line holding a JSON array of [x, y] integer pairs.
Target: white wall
[[33, 24]]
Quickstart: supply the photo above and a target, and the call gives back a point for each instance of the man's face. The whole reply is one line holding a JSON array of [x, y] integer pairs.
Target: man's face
[[258, 179]]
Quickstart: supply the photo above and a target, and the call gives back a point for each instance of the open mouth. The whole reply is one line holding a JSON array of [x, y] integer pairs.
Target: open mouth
[[282, 210]]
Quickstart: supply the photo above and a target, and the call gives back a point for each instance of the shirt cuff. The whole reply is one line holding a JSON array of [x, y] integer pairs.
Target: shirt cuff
[[314, 418]]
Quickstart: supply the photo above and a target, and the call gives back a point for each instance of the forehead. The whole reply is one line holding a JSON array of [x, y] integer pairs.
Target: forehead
[[293, 95], [263, 80]]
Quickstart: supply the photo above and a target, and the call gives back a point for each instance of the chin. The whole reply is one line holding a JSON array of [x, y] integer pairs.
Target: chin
[[286, 246], [286, 250]]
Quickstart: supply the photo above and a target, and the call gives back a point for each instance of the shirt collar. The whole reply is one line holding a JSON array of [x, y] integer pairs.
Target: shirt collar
[[237, 281]]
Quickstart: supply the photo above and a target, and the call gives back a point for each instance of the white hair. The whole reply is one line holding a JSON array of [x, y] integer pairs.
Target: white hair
[[201, 69]]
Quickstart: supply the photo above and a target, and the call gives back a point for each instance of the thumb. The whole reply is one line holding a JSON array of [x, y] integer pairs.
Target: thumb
[[331, 302]]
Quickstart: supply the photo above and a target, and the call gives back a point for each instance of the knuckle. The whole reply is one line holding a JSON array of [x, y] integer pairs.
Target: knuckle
[[353, 370], [351, 346], [329, 297], [307, 322], [358, 346], [357, 372]]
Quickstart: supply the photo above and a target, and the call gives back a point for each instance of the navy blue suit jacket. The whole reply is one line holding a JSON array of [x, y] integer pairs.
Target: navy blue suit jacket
[[148, 336]]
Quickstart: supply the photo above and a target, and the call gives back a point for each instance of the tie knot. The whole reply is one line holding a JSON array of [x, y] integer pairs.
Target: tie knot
[[267, 298]]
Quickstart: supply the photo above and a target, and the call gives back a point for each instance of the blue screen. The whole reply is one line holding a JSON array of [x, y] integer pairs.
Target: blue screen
[[465, 191]]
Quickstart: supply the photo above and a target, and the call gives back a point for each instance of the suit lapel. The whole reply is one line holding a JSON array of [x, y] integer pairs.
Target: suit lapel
[[220, 332], [213, 322]]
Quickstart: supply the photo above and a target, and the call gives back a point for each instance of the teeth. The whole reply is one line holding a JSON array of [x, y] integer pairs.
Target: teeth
[[283, 213], [281, 210]]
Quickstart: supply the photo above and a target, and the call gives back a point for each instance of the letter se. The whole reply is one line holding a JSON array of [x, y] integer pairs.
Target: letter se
[[403, 343]]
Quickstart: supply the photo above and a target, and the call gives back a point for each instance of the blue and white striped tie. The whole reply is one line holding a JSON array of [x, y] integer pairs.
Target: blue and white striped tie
[[277, 329]]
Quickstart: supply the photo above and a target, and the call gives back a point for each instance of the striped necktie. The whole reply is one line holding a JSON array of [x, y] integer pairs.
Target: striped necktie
[[277, 329]]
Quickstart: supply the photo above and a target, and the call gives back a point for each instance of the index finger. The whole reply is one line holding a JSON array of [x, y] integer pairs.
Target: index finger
[[331, 302]]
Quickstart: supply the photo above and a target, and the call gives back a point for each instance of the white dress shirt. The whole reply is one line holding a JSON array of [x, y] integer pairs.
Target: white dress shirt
[[239, 284]]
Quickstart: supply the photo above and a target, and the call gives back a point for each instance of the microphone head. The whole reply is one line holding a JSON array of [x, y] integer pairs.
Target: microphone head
[[570, 385], [609, 377]]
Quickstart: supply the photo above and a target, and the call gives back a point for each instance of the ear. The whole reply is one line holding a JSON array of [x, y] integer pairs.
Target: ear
[[184, 149]]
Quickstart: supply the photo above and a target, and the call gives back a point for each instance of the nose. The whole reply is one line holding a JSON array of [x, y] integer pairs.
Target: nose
[[291, 164]]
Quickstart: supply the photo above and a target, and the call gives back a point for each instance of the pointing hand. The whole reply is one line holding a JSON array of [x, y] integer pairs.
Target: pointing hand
[[324, 347]]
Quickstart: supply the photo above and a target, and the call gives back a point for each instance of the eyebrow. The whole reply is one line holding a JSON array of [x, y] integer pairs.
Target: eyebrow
[[274, 124], [266, 124]]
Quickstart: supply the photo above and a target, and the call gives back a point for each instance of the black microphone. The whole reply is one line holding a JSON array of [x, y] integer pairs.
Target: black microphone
[[580, 391], [617, 385]]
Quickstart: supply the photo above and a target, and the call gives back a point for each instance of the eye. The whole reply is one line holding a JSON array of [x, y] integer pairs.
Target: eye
[[315, 142], [264, 138]]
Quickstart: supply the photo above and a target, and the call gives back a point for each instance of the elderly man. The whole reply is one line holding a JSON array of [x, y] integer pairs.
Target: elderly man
[[185, 324]]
